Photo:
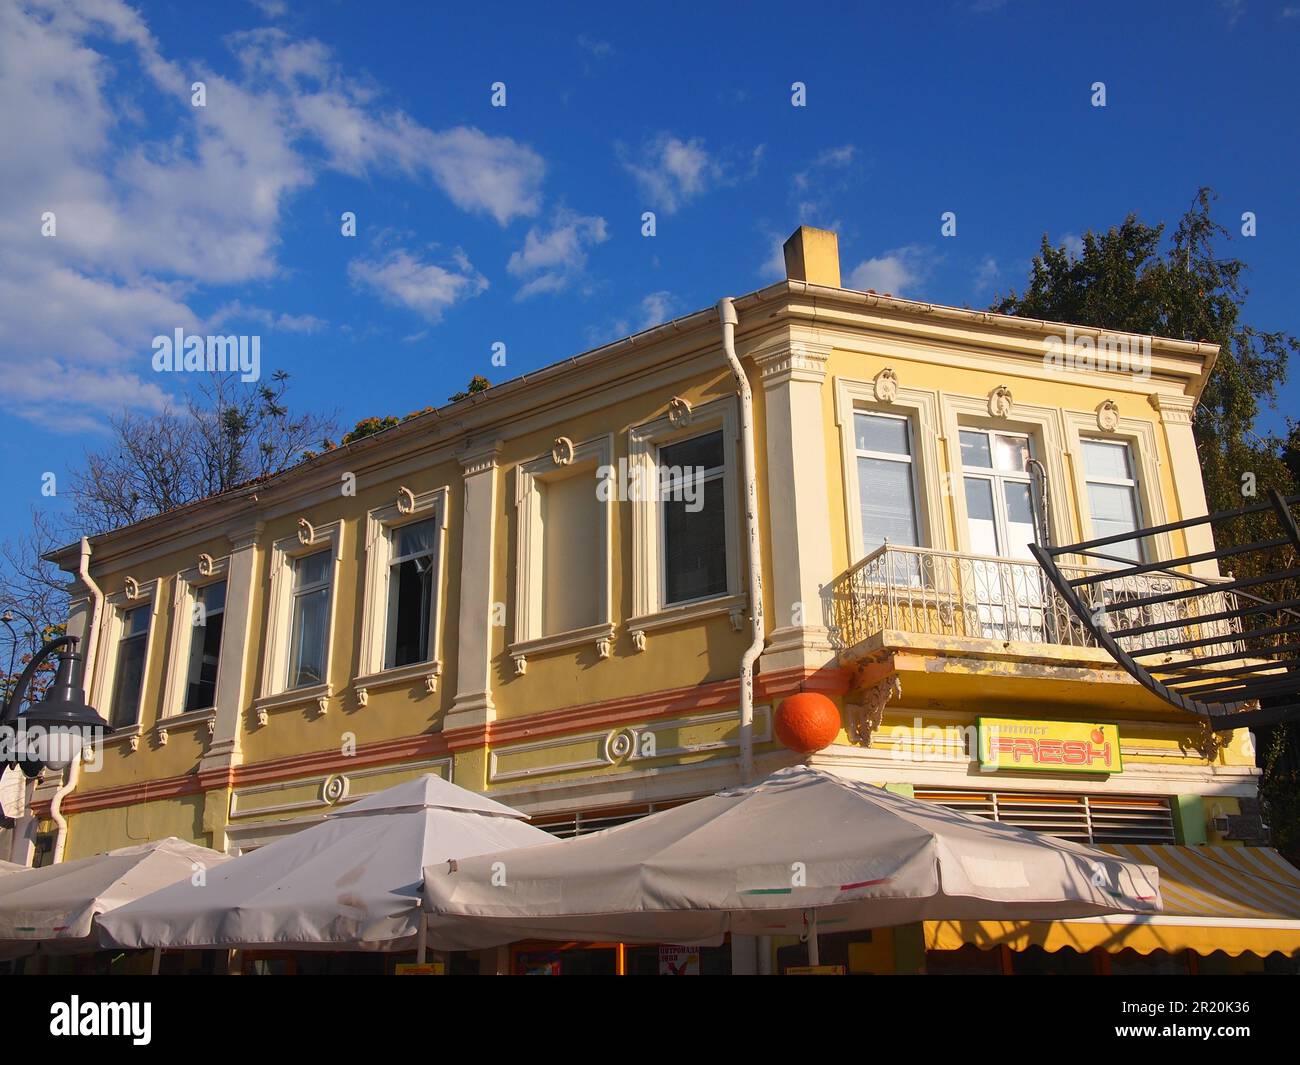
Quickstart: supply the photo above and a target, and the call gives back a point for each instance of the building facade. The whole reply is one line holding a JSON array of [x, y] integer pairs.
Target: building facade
[[540, 592]]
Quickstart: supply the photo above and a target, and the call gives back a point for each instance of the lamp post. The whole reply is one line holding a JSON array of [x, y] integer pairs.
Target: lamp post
[[54, 729]]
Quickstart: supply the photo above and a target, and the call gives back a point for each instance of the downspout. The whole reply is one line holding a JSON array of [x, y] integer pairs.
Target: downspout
[[87, 665], [727, 317]]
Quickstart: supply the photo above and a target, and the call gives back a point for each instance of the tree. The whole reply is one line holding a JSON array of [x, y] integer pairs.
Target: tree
[[1128, 279], [224, 435], [227, 435]]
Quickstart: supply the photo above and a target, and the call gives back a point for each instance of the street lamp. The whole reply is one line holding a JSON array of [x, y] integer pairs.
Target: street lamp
[[54, 729]]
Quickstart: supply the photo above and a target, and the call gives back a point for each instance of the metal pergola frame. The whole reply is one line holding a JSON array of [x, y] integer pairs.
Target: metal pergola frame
[[1255, 652]]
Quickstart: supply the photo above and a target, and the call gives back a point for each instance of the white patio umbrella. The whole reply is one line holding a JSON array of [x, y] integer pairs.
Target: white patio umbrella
[[10, 867], [53, 909], [798, 851], [349, 883]]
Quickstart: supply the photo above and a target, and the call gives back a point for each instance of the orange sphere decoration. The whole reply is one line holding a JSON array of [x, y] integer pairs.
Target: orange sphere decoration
[[807, 722]]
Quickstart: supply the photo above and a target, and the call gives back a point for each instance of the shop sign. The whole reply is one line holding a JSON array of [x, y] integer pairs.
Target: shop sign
[[1048, 746], [678, 961]]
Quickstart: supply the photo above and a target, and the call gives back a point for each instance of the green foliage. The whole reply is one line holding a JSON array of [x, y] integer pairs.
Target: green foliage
[[1128, 279], [476, 384]]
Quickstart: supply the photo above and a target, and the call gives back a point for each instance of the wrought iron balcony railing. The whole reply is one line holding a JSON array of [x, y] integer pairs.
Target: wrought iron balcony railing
[[944, 593]]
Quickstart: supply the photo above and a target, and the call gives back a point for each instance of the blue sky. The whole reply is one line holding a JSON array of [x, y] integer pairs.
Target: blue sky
[[522, 224]]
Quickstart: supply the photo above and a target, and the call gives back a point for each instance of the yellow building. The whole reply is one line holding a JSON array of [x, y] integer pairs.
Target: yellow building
[[530, 593]]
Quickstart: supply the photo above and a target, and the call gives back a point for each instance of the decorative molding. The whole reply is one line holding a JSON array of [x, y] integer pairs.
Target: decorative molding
[[922, 410], [208, 570], [132, 587], [1107, 415], [793, 360], [284, 552], [603, 647], [521, 664], [627, 744], [562, 452], [363, 698], [578, 460], [1000, 402], [737, 616], [865, 715], [886, 385], [680, 412], [479, 458], [638, 640], [381, 525], [1178, 410], [334, 789], [644, 441]]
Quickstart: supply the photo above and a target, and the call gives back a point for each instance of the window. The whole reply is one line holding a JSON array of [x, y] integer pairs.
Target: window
[[410, 594], [128, 684], [693, 507], [1112, 495], [205, 646], [886, 490], [564, 501], [999, 501], [681, 480], [309, 642]]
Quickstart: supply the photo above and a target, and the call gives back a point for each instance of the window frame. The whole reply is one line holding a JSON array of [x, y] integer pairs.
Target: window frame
[[184, 597], [1140, 435], [909, 459], [309, 540], [921, 410], [111, 627], [1132, 483], [649, 610], [998, 478], [531, 477], [1041, 424], [382, 524]]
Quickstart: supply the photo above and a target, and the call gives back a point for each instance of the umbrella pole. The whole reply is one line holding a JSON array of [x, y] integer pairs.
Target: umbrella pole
[[814, 954], [421, 940], [157, 961]]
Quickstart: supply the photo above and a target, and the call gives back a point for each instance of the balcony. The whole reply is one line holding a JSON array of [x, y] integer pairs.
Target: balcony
[[902, 608]]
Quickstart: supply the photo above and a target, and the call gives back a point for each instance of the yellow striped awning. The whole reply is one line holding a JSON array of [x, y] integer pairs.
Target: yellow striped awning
[[1233, 899]]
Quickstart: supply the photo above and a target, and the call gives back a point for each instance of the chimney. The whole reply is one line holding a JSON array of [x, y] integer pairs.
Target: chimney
[[813, 255]]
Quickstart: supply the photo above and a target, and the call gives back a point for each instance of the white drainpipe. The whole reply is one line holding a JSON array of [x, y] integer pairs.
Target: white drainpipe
[[88, 643], [727, 316]]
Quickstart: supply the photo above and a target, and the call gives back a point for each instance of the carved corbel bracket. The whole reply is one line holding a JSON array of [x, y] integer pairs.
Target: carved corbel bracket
[[866, 713]]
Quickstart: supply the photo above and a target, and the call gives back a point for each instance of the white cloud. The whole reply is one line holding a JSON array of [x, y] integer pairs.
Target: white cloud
[[403, 279], [815, 186], [654, 309], [236, 311], [987, 275], [596, 47], [148, 216], [1072, 243], [672, 172], [895, 272], [552, 258]]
